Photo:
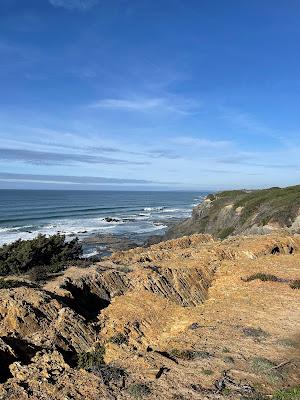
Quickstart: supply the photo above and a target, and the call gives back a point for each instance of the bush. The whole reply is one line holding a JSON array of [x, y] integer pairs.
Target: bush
[[10, 284], [295, 284], [224, 233], [263, 277], [110, 374], [92, 359], [211, 197], [38, 273], [119, 338], [139, 390], [23, 255]]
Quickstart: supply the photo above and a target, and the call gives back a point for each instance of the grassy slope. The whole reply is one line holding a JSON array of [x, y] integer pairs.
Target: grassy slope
[[275, 204], [257, 207]]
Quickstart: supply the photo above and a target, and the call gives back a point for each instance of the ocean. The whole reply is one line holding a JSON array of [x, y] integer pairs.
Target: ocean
[[25, 213]]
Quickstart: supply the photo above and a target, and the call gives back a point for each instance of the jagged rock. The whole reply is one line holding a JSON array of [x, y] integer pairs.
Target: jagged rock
[[31, 316], [48, 377]]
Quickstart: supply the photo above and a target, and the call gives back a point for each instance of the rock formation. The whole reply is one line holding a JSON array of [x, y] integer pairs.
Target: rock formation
[[189, 318]]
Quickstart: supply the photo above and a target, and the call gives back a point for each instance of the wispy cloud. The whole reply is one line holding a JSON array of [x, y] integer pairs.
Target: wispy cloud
[[162, 153], [172, 104], [51, 158], [252, 161], [81, 5], [126, 104], [201, 142], [88, 145], [65, 179]]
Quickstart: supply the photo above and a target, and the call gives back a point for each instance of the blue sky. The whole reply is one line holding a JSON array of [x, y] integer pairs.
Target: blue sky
[[146, 94]]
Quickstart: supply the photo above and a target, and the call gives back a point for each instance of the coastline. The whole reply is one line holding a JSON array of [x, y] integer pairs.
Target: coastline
[[99, 245], [103, 221]]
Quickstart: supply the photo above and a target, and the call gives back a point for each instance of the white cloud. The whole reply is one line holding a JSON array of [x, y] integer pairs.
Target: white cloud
[[126, 104], [201, 142], [171, 104], [74, 4]]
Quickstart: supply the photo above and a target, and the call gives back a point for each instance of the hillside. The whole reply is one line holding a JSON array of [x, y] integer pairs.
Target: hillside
[[193, 318], [243, 212]]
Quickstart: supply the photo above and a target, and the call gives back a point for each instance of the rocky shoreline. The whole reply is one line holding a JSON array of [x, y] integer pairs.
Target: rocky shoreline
[[107, 243]]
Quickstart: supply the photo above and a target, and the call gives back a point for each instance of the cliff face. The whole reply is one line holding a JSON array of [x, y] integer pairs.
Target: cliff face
[[191, 318], [243, 212]]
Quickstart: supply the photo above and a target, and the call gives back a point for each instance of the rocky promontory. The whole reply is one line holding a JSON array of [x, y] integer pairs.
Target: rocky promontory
[[239, 212]]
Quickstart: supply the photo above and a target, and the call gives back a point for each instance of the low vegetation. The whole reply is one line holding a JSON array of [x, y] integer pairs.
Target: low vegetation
[[263, 277], [286, 342], [189, 354], [207, 372], [239, 211], [295, 284], [92, 359], [11, 283], [278, 204], [288, 394], [139, 390], [255, 332], [119, 338], [224, 233], [48, 253], [265, 367], [110, 374]]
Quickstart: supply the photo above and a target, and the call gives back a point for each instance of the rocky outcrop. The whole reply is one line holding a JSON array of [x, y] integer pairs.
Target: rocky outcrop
[[191, 318], [243, 212], [31, 320], [48, 376]]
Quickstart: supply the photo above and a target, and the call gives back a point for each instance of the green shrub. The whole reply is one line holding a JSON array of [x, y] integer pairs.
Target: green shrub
[[288, 394], [263, 277], [38, 273], [295, 284], [119, 338], [139, 390], [91, 359], [224, 233], [211, 197], [10, 284], [23, 255]]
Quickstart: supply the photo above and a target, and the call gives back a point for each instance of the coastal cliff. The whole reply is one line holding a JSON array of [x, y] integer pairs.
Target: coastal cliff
[[190, 318], [239, 212]]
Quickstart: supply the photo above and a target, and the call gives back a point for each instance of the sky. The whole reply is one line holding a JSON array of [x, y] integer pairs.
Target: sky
[[149, 94]]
